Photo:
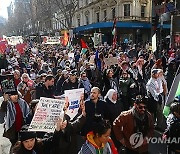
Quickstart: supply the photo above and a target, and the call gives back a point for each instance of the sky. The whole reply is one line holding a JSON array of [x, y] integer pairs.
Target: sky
[[3, 7]]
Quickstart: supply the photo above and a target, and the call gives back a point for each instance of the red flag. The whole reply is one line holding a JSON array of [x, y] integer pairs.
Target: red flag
[[83, 44], [21, 47], [114, 33], [66, 39], [3, 46]]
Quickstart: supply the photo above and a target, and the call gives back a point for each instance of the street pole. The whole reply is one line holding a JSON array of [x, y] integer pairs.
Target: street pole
[[160, 34]]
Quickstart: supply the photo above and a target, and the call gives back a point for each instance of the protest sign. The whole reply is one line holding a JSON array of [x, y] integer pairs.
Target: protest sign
[[74, 97], [110, 61], [48, 111], [51, 40], [7, 84]]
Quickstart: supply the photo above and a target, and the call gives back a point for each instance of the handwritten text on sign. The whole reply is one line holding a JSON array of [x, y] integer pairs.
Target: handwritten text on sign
[[47, 113]]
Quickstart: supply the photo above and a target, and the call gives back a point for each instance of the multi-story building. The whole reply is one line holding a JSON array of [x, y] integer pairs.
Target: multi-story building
[[133, 19]]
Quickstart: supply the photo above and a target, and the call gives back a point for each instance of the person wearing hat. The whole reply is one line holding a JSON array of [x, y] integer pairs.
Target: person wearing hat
[[27, 144], [155, 95], [26, 87], [71, 83], [16, 110], [136, 121]]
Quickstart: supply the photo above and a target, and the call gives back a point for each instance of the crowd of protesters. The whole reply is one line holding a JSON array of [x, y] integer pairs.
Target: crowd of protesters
[[130, 94]]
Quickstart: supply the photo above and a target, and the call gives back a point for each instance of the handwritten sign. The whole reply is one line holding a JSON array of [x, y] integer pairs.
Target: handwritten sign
[[7, 84], [74, 97], [110, 61], [48, 111]]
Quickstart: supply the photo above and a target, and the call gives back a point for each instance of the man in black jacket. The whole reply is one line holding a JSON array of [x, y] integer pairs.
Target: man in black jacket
[[94, 106], [71, 82], [46, 89]]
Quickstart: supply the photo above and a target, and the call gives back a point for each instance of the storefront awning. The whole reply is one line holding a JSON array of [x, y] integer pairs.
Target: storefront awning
[[135, 25]]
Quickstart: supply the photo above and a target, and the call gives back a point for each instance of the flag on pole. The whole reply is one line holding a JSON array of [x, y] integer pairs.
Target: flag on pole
[[65, 39], [173, 93], [114, 33], [84, 46]]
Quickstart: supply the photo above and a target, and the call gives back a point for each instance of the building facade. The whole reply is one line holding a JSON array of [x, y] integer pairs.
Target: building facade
[[133, 19]]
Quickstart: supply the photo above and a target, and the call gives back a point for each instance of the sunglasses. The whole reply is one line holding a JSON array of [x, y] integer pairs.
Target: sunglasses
[[141, 107]]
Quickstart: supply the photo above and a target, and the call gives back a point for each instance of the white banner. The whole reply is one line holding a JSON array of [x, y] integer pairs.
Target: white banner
[[48, 111], [73, 96], [51, 40], [14, 40]]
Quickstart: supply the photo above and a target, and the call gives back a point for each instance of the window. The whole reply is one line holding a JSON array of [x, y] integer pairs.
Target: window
[[79, 22], [113, 13], [126, 10], [105, 15], [142, 11], [87, 19], [97, 17]]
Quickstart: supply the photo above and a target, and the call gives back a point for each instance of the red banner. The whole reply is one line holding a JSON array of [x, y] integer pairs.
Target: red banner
[[3, 46], [21, 47]]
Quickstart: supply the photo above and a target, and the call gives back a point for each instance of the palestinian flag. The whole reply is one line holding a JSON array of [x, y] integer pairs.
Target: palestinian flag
[[84, 46], [173, 93]]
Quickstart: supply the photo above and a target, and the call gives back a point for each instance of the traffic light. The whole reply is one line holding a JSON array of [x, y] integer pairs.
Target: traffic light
[[155, 21]]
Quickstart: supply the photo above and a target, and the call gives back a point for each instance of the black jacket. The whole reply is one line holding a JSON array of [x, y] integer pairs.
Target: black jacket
[[91, 110], [42, 91], [114, 110]]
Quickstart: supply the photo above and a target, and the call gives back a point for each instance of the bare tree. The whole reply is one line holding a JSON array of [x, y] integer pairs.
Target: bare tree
[[67, 8], [48, 9]]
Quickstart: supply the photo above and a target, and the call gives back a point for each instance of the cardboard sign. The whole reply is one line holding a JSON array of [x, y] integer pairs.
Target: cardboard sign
[[48, 111], [110, 61], [74, 97], [7, 84]]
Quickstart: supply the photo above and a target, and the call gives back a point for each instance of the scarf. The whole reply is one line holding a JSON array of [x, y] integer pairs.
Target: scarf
[[141, 122], [87, 85], [109, 95], [11, 112]]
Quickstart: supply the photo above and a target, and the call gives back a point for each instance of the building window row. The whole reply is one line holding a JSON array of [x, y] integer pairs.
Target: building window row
[[97, 18]]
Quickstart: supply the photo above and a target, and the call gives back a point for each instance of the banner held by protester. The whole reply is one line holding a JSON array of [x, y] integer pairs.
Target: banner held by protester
[[47, 113], [73, 97], [7, 84]]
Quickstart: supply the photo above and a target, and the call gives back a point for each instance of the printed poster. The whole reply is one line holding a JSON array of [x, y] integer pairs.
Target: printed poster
[[73, 96]]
